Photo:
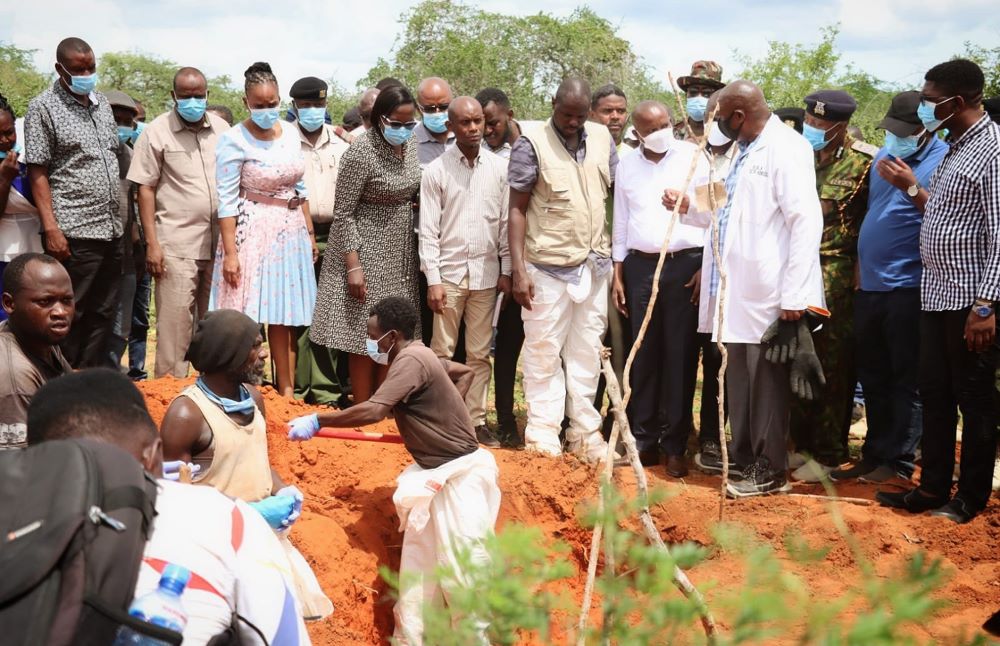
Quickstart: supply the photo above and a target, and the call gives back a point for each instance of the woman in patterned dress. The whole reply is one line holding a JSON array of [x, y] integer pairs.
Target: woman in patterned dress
[[372, 251], [264, 263]]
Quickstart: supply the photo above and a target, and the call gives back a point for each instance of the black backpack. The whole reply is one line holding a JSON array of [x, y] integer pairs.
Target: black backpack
[[74, 519]]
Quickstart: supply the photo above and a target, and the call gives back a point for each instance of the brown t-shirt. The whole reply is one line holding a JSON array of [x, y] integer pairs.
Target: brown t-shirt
[[430, 412], [21, 376]]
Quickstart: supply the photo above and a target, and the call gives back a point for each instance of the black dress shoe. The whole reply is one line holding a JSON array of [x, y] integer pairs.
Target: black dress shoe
[[914, 501], [676, 465], [649, 457], [485, 437], [956, 511]]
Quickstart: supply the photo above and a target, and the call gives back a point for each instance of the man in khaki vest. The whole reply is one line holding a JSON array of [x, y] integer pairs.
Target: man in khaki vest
[[560, 174]]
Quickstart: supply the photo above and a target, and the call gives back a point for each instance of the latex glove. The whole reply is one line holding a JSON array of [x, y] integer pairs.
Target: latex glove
[[294, 492], [806, 372], [303, 428], [275, 509], [172, 469], [782, 342]]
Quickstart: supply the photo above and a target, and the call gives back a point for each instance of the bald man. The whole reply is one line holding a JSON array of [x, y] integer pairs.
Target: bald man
[[432, 135], [560, 174], [174, 166], [365, 105], [665, 369], [463, 248], [71, 148], [769, 232]]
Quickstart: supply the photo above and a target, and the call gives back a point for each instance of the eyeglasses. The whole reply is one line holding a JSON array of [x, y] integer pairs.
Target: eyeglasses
[[431, 109], [931, 101], [409, 125]]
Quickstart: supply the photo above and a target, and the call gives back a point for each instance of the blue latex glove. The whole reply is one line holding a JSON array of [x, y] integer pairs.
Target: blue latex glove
[[303, 428], [172, 469], [294, 492], [275, 509]]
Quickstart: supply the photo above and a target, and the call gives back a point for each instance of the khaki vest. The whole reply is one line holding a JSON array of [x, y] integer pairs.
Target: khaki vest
[[566, 210], [240, 468]]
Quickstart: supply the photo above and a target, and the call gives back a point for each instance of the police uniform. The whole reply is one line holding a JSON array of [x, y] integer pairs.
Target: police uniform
[[820, 428], [707, 73], [316, 369]]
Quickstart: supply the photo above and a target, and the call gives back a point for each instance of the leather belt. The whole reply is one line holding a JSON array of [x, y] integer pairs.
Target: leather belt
[[690, 251], [291, 203]]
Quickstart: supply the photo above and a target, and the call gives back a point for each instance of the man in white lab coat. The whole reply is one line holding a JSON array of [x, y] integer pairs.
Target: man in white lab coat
[[769, 231]]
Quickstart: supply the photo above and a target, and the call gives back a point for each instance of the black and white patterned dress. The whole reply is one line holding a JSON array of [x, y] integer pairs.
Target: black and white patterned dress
[[372, 214]]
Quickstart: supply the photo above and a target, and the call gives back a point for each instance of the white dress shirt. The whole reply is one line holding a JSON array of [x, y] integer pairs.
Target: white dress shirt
[[463, 219], [640, 219], [771, 248]]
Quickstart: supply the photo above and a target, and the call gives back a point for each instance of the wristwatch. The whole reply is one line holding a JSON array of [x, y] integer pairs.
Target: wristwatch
[[913, 190], [982, 309]]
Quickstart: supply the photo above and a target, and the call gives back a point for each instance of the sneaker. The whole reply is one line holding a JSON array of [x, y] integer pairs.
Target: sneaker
[[857, 413], [485, 437], [758, 479], [858, 470], [709, 459], [914, 501], [956, 511], [812, 471], [796, 459], [882, 474]]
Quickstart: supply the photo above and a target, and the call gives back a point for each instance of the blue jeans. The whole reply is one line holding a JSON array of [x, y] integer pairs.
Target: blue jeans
[[140, 329], [887, 332]]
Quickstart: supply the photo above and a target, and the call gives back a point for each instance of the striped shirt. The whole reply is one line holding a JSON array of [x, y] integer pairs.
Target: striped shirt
[[732, 180], [960, 236], [463, 219]]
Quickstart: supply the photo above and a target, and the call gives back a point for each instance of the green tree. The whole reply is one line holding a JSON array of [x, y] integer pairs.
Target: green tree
[[989, 60], [789, 72], [150, 79], [19, 80], [525, 56]]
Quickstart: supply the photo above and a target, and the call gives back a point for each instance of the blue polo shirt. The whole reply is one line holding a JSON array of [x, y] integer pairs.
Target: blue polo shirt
[[889, 243]]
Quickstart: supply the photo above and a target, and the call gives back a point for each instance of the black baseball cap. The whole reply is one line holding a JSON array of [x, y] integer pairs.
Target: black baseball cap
[[901, 119]]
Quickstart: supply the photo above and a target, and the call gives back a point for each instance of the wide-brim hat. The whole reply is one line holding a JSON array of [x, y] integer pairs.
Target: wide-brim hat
[[707, 73]]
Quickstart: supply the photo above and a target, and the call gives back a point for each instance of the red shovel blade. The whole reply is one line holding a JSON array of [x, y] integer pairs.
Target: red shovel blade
[[339, 434]]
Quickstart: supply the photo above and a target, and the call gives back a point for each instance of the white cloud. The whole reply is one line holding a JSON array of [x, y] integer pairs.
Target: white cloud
[[896, 40]]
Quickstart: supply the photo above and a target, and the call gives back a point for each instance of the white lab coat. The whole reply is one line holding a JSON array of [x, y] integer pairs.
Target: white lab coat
[[771, 247]]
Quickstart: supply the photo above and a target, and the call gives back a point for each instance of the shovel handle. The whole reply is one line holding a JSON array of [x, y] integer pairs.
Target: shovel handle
[[338, 434]]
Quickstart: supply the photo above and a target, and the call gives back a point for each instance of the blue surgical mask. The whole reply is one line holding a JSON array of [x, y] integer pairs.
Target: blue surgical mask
[[81, 85], [396, 136], [435, 122], [696, 106], [245, 404], [125, 134], [371, 347], [192, 110], [265, 118], [815, 136], [139, 127], [312, 119], [901, 147], [926, 114], [16, 149]]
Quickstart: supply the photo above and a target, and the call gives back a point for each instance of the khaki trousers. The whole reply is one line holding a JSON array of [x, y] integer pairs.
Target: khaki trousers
[[181, 301], [476, 307]]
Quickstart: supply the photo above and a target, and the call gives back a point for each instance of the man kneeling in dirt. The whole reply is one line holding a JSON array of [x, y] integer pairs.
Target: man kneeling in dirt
[[449, 499], [218, 425]]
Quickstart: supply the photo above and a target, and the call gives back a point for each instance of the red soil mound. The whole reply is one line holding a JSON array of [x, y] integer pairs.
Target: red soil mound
[[349, 526]]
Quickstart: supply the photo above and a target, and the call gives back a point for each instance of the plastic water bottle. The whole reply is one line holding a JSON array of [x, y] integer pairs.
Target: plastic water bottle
[[161, 607]]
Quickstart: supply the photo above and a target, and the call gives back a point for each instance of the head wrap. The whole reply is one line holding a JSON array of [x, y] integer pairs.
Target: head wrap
[[222, 341]]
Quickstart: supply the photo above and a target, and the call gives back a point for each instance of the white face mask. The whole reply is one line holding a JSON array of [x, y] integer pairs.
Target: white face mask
[[716, 138], [659, 142]]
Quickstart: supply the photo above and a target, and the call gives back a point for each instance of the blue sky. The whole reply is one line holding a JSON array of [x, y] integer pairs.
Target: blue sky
[[896, 40]]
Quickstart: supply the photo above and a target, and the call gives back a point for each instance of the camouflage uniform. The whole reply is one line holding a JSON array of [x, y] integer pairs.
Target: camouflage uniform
[[820, 427]]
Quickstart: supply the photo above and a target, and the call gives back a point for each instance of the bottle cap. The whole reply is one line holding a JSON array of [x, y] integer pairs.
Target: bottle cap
[[175, 578]]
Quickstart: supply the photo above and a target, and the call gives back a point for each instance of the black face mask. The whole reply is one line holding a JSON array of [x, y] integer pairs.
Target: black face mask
[[726, 128]]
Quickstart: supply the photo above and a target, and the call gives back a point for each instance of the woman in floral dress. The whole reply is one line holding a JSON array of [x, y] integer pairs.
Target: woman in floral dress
[[264, 263]]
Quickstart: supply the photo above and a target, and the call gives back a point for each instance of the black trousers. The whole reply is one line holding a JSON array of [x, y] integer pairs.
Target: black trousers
[[665, 368], [95, 268], [952, 377], [888, 360], [711, 363], [510, 338]]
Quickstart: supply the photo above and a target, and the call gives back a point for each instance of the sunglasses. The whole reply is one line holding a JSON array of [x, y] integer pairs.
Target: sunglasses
[[431, 109], [409, 125]]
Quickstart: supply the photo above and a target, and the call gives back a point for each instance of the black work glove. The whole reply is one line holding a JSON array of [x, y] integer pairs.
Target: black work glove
[[806, 373], [781, 339]]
